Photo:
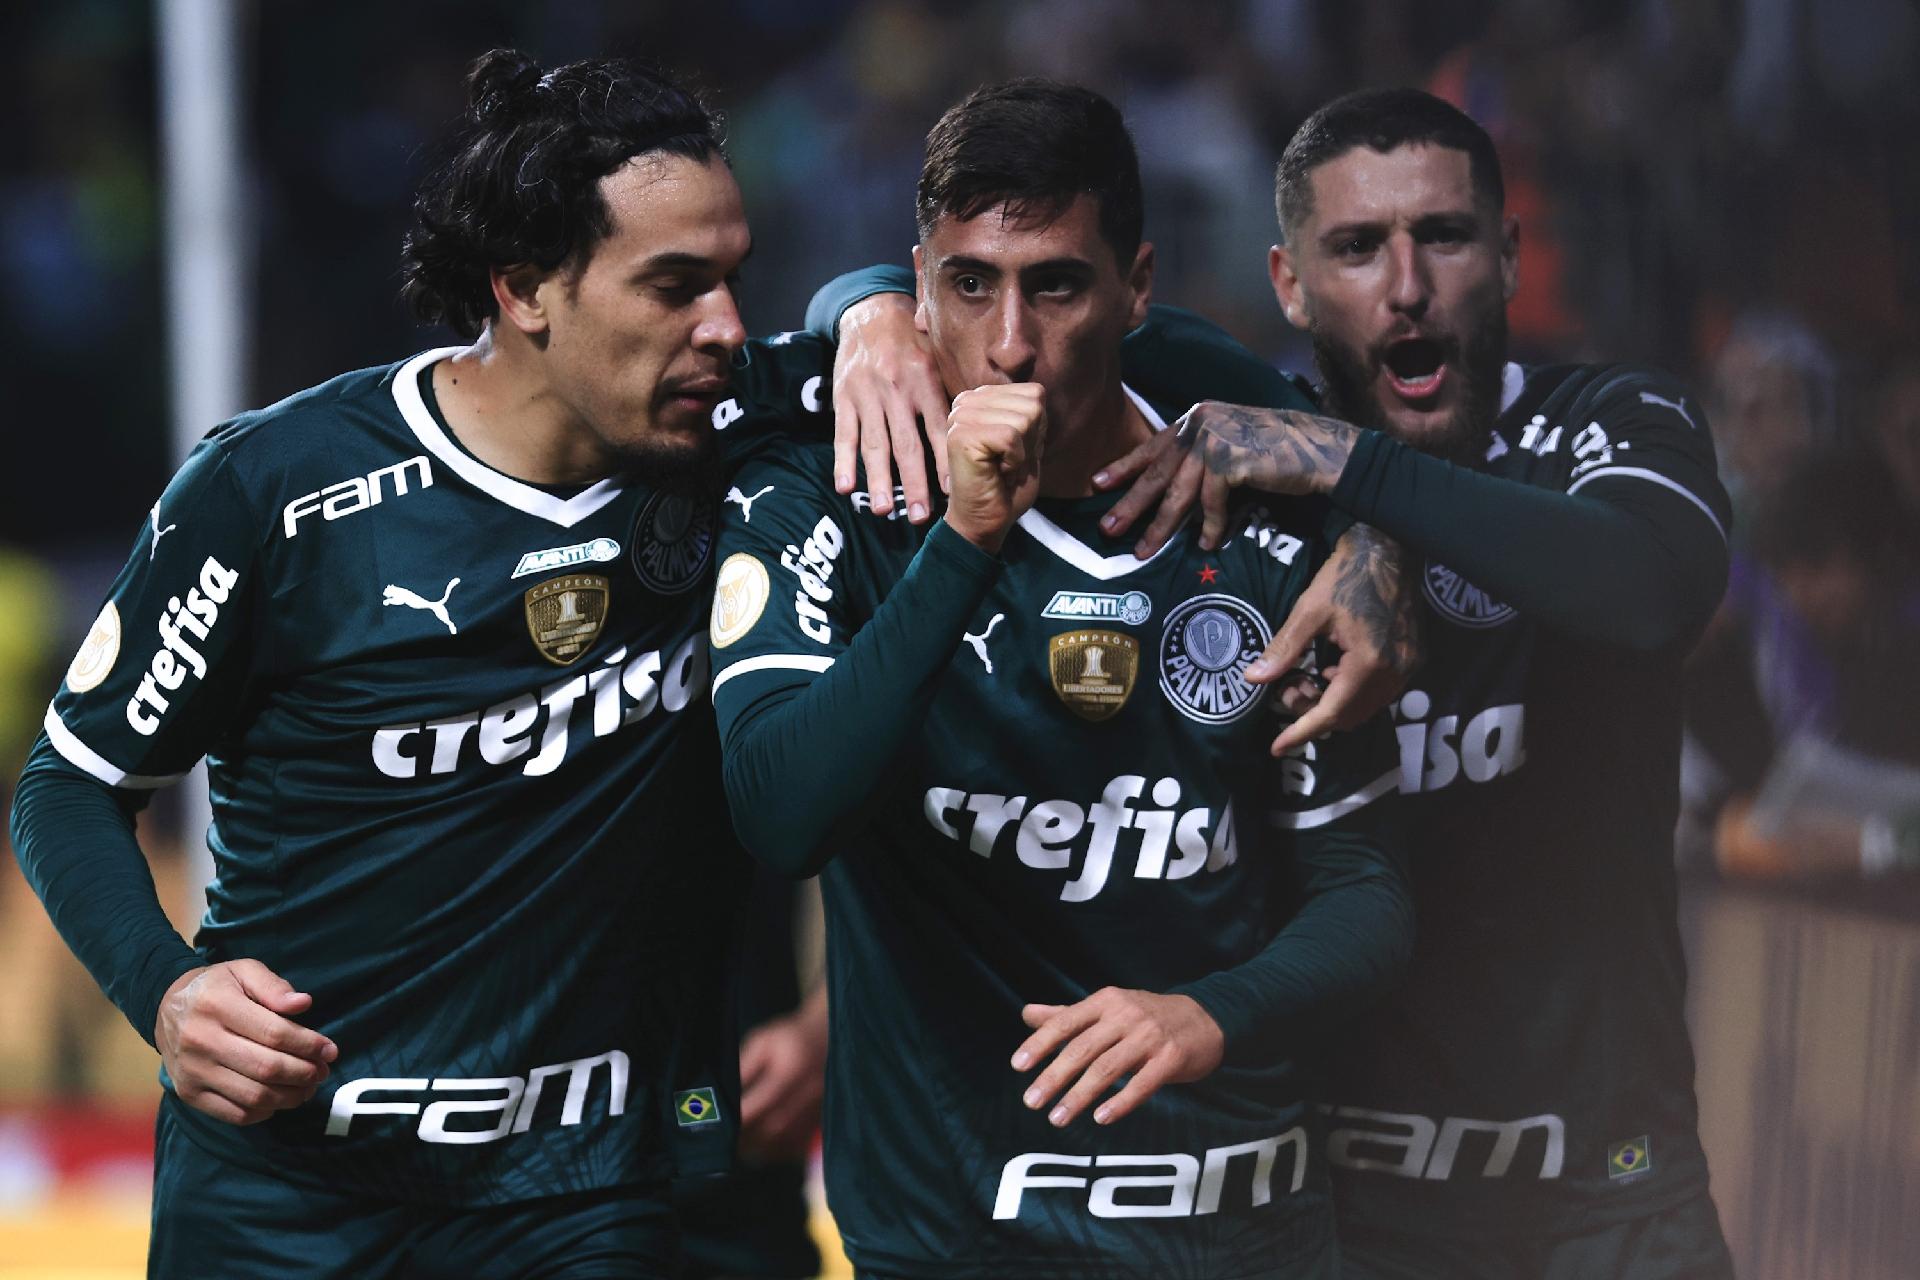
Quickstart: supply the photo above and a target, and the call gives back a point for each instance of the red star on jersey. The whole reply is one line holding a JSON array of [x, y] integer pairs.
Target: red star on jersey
[[1207, 574]]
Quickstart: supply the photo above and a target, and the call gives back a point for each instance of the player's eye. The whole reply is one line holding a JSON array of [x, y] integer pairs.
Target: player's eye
[[968, 286], [1354, 248], [1056, 287]]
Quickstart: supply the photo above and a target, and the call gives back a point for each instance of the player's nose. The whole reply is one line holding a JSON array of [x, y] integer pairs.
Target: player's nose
[[1013, 351]]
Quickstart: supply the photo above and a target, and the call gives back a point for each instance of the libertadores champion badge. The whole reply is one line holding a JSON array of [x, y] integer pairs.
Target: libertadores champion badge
[[1205, 644], [565, 614], [1093, 671], [673, 541]]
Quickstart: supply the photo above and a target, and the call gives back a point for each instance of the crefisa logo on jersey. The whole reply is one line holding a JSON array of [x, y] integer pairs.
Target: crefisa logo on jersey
[[1205, 644], [672, 541], [1458, 600], [565, 614], [1093, 671], [1133, 608]]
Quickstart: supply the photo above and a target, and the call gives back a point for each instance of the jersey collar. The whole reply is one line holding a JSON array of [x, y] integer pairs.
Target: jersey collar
[[1077, 553], [565, 512]]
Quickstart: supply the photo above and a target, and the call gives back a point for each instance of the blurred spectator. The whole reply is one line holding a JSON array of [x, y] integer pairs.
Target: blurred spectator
[[1773, 394], [1804, 706]]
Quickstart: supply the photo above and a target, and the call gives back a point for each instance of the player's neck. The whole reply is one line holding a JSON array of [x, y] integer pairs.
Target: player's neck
[[1076, 449], [505, 413]]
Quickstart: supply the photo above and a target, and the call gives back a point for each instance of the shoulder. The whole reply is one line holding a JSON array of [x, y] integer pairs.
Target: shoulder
[[1178, 357], [1612, 394]]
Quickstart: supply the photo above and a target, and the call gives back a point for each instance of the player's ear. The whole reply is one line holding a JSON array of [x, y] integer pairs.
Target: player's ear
[[1286, 286], [1140, 284], [518, 295], [920, 289], [1510, 256]]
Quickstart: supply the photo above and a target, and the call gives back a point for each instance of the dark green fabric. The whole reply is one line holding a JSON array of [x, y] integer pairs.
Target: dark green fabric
[[104, 904]]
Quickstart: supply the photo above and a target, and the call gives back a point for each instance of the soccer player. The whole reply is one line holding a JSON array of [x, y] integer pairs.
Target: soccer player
[[439, 629], [1085, 935], [1524, 1105]]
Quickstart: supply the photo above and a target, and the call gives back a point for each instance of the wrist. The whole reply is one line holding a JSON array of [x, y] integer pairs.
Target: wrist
[[989, 541]]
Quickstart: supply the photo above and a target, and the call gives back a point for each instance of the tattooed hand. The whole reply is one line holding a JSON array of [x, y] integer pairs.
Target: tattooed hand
[[1215, 446], [1363, 602]]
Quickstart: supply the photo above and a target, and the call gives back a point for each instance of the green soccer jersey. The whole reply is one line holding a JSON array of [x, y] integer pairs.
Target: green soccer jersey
[[1533, 1074], [463, 775], [1075, 794]]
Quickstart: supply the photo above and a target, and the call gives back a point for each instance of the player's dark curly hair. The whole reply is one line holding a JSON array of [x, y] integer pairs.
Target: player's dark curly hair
[[1033, 145], [1380, 120], [517, 180]]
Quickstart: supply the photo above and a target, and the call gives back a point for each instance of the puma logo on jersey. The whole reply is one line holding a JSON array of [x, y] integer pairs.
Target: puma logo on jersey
[[979, 642], [412, 600], [1415, 1146], [1053, 835], [745, 503], [1480, 747], [357, 494], [182, 627], [153, 517], [1678, 406], [812, 563], [544, 724], [1168, 1184]]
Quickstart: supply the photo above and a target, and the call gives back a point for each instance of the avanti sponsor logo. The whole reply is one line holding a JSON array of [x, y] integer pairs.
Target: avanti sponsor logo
[[1132, 608], [598, 551]]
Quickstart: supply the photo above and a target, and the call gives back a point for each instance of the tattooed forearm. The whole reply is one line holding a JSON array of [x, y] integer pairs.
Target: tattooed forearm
[[1375, 585], [1279, 450]]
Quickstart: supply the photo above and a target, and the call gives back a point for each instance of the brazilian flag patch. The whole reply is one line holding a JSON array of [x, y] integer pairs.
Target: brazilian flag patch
[[1629, 1159], [695, 1107]]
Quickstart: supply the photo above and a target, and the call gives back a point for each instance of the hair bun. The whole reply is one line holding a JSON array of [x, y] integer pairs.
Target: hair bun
[[498, 78]]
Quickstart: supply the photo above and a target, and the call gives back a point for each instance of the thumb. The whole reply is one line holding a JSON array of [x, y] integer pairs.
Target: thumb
[[268, 989]]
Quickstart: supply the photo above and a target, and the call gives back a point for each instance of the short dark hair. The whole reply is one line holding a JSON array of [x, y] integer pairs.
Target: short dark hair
[[517, 178], [1033, 145], [1380, 120]]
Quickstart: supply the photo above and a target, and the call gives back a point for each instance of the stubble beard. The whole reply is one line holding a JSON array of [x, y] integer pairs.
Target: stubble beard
[[1350, 378], [691, 469]]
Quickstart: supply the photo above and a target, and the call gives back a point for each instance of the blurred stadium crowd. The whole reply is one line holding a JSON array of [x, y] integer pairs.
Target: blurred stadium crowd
[[1716, 186]]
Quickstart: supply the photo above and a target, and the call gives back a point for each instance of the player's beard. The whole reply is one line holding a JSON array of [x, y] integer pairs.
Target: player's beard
[[693, 468], [1351, 379]]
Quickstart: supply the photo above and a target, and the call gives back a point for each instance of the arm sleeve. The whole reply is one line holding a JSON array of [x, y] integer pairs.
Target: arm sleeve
[[153, 688], [73, 837], [832, 299], [1350, 933], [1633, 552], [814, 706]]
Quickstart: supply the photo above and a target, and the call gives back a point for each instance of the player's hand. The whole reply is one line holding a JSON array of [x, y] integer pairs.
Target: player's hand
[[227, 1037], [995, 436], [1362, 601], [783, 1075], [1278, 450], [886, 391], [1157, 1039], [1169, 471]]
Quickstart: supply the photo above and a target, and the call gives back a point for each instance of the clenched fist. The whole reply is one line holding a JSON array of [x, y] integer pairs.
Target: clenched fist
[[995, 436]]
